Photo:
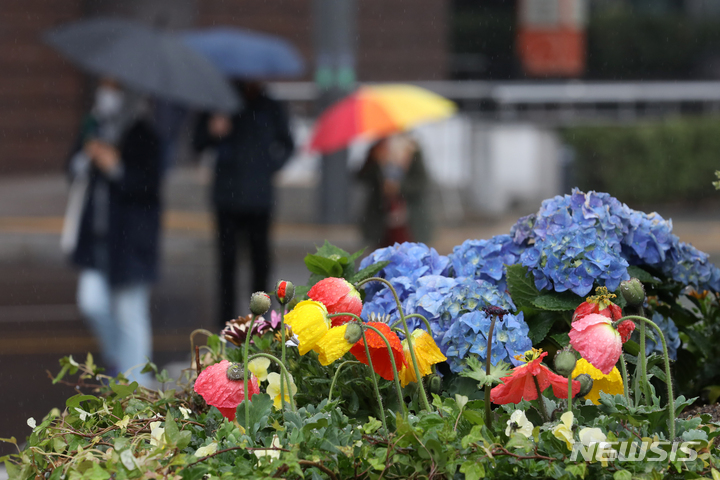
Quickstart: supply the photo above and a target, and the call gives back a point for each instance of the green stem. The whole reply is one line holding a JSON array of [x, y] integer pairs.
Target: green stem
[[416, 315], [642, 365], [285, 374], [337, 374], [375, 383], [408, 338], [245, 368], [541, 401], [668, 379], [488, 364], [396, 374], [623, 372], [282, 358], [570, 395]]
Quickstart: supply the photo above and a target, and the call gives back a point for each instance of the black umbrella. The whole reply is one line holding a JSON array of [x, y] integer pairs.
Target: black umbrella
[[148, 61]]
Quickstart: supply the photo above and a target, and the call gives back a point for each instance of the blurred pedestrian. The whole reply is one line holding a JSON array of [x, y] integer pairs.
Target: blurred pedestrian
[[397, 188], [112, 224], [249, 148]]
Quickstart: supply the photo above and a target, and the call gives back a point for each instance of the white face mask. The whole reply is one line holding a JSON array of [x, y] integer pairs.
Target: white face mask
[[108, 102]]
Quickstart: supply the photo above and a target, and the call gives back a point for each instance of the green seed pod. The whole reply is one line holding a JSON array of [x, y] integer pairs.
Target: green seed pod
[[435, 384], [235, 372], [353, 332], [259, 303], [284, 291], [633, 292], [586, 384], [565, 362]]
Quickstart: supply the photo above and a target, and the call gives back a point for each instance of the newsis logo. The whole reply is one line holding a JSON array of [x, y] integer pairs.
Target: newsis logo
[[658, 451]]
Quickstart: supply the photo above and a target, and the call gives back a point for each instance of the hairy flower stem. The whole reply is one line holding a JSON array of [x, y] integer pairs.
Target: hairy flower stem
[[642, 364], [408, 337], [337, 375], [285, 375], [246, 385], [488, 364], [668, 377], [623, 372], [570, 395], [282, 358], [416, 315], [375, 383], [541, 401]]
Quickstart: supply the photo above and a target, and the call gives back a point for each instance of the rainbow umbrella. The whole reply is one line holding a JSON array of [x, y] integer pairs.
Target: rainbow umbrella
[[377, 111]]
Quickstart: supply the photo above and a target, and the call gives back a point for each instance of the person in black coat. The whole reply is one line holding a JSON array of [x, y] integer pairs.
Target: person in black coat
[[112, 225], [249, 148]]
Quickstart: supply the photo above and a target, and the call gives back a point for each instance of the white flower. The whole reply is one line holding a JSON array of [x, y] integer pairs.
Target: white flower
[[31, 423], [269, 453], [83, 414], [563, 431], [519, 423], [294, 341], [588, 436], [206, 450], [185, 412], [157, 434]]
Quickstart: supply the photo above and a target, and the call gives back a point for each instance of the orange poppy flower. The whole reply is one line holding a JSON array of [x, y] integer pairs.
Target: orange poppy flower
[[378, 350], [521, 384]]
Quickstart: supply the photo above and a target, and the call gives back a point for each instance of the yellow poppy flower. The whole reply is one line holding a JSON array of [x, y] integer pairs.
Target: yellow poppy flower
[[337, 342], [611, 383], [427, 354], [258, 367], [563, 431], [309, 321], [273, 389]]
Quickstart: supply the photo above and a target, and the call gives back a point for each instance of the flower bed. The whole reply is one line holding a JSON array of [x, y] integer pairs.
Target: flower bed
[[549, 352]]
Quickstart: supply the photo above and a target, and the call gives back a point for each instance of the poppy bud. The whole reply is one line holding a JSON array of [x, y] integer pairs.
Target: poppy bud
[[284, 291], [353, 332], [259, 303], [586, 384], [633, 292], [235, 372], [435, 384], [565, 362]]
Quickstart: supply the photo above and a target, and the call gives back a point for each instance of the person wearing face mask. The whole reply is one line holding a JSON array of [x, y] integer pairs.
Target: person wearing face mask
[[112, 224]]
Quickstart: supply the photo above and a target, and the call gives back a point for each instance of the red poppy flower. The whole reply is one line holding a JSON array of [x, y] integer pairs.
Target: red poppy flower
[[215, 385], [339, 296], [595, 338], [521, 384], [625, 329], [600, 304], [379, 352]]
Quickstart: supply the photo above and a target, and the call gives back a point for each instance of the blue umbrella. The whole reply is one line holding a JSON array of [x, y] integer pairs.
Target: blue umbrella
[[246, 54]]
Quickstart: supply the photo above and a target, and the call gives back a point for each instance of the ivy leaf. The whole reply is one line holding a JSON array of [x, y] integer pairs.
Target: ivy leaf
[[521, 285], [123, 391], [540, 325], [642, 275], [473, 470], [476, 371], [557, 302], [368, 272]]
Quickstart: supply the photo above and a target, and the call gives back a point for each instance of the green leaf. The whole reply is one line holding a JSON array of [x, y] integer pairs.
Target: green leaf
[[521, 285], [473, 470], [540, 325], [476, 371], [123, 391], [323, 266], [172, 433], [701, 341], [562, 339], [622, 475], [260, 409], [369, 271], [75, 400], [329, 250], [642, 275], [579, 470], [557, 302]]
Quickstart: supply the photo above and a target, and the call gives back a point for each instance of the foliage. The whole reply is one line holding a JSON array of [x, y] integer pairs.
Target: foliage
[[653, 161]]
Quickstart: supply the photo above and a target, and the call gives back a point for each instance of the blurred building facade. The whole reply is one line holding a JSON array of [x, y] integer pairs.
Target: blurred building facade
[[42, 96]]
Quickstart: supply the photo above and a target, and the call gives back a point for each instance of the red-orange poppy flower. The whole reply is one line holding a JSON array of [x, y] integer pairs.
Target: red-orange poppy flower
[[221, 385], [521, 384], [378, 350], [339, 296]]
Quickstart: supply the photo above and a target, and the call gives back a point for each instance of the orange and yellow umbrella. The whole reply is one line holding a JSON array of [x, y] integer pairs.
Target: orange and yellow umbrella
[[377, 111]]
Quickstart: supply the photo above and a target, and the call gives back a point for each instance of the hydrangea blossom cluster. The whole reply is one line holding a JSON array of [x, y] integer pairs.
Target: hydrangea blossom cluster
[[469, 333], [485, 259], [670, 331], [408, 263], [580, 238]]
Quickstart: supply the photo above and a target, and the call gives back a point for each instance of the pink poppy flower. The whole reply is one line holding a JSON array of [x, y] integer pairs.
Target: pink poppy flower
[[339, 296], [594, 337], [221, 385]]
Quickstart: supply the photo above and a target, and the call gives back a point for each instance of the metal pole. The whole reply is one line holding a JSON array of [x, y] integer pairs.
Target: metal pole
[[334, 26]]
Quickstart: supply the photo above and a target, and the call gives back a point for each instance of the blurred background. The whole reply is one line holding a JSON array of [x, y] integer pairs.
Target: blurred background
[[620, 96]]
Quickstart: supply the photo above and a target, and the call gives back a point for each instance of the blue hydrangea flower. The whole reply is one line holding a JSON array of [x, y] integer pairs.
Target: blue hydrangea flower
[[486, 259], [468, 334], [670, 331]]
